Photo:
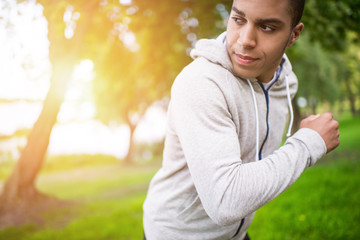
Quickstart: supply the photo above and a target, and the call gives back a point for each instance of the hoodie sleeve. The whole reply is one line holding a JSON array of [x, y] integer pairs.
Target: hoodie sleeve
[[228, 189]]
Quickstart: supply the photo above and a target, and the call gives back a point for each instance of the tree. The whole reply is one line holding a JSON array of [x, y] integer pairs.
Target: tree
[[322, 57], [329, 22], [82, 29], [317, 72], [163, 31], [129, 79], [65, 50], [350, 76]]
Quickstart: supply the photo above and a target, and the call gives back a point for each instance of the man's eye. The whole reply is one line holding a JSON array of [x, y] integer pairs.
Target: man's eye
[[238, 20], [267, 28]]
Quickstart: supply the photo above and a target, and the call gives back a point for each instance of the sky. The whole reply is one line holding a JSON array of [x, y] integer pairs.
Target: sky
[[25, 73], [23, 41]]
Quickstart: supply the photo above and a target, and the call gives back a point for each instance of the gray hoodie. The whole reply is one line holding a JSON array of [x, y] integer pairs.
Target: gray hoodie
[[219, 126]]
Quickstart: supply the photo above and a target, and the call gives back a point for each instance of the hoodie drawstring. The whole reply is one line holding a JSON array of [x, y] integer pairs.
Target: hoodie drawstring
[[256, 120], [257, 114], [290, 107]]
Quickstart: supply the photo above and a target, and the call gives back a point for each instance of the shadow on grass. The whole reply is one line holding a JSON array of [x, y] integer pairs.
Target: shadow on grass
[[18, 223], [106, 203]]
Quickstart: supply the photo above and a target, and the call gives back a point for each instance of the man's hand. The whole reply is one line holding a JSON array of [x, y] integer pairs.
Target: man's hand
[[326, 126]]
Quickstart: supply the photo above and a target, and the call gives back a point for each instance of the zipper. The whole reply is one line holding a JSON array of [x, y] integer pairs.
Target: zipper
[[266, 92]]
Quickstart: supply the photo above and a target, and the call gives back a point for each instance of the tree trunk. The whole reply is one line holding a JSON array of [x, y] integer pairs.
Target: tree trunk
[[351, 96], [297, 115], [129, 156], [20, 186], [313, 105]]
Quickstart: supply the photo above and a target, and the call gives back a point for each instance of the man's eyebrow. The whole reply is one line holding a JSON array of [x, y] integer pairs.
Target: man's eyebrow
[[241, 13], [260, 20], [270, 20]]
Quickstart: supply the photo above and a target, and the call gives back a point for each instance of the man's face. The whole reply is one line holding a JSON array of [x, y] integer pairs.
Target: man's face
[[258, 33]]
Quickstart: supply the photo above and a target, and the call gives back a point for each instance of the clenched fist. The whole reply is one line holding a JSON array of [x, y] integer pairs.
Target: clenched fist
[[326, 126]]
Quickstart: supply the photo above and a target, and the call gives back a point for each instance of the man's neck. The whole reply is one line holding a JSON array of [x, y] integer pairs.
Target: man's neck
[[275, 77]]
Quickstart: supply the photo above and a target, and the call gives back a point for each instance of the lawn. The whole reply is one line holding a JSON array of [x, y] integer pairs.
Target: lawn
[[105, 203], [107, 199]]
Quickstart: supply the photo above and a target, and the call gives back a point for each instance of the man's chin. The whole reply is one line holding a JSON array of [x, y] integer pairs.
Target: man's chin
[[245, 75]]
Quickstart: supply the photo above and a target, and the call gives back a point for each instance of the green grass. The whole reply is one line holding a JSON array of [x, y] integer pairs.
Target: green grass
[[106, 204], [68, 162], [62, 163], [105, 219], [89, 182], [322, 204], [349, 134], [108, 196]]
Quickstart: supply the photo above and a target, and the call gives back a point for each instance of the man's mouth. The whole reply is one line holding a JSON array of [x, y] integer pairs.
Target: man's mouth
[[245, 59]]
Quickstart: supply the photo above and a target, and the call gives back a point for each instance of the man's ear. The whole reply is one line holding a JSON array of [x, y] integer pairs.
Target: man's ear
[[295, 34]]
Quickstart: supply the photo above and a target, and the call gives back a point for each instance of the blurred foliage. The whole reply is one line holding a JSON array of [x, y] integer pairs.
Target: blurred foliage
[[149, 151], [139, 47], [317, 70], [327, 76], [145, 51], [330, 22]]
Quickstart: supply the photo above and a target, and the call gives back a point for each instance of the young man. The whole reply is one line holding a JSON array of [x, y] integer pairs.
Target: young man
[[226, 118]]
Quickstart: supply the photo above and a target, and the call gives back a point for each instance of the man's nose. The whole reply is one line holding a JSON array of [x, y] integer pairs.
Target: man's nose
[[247, 36]]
